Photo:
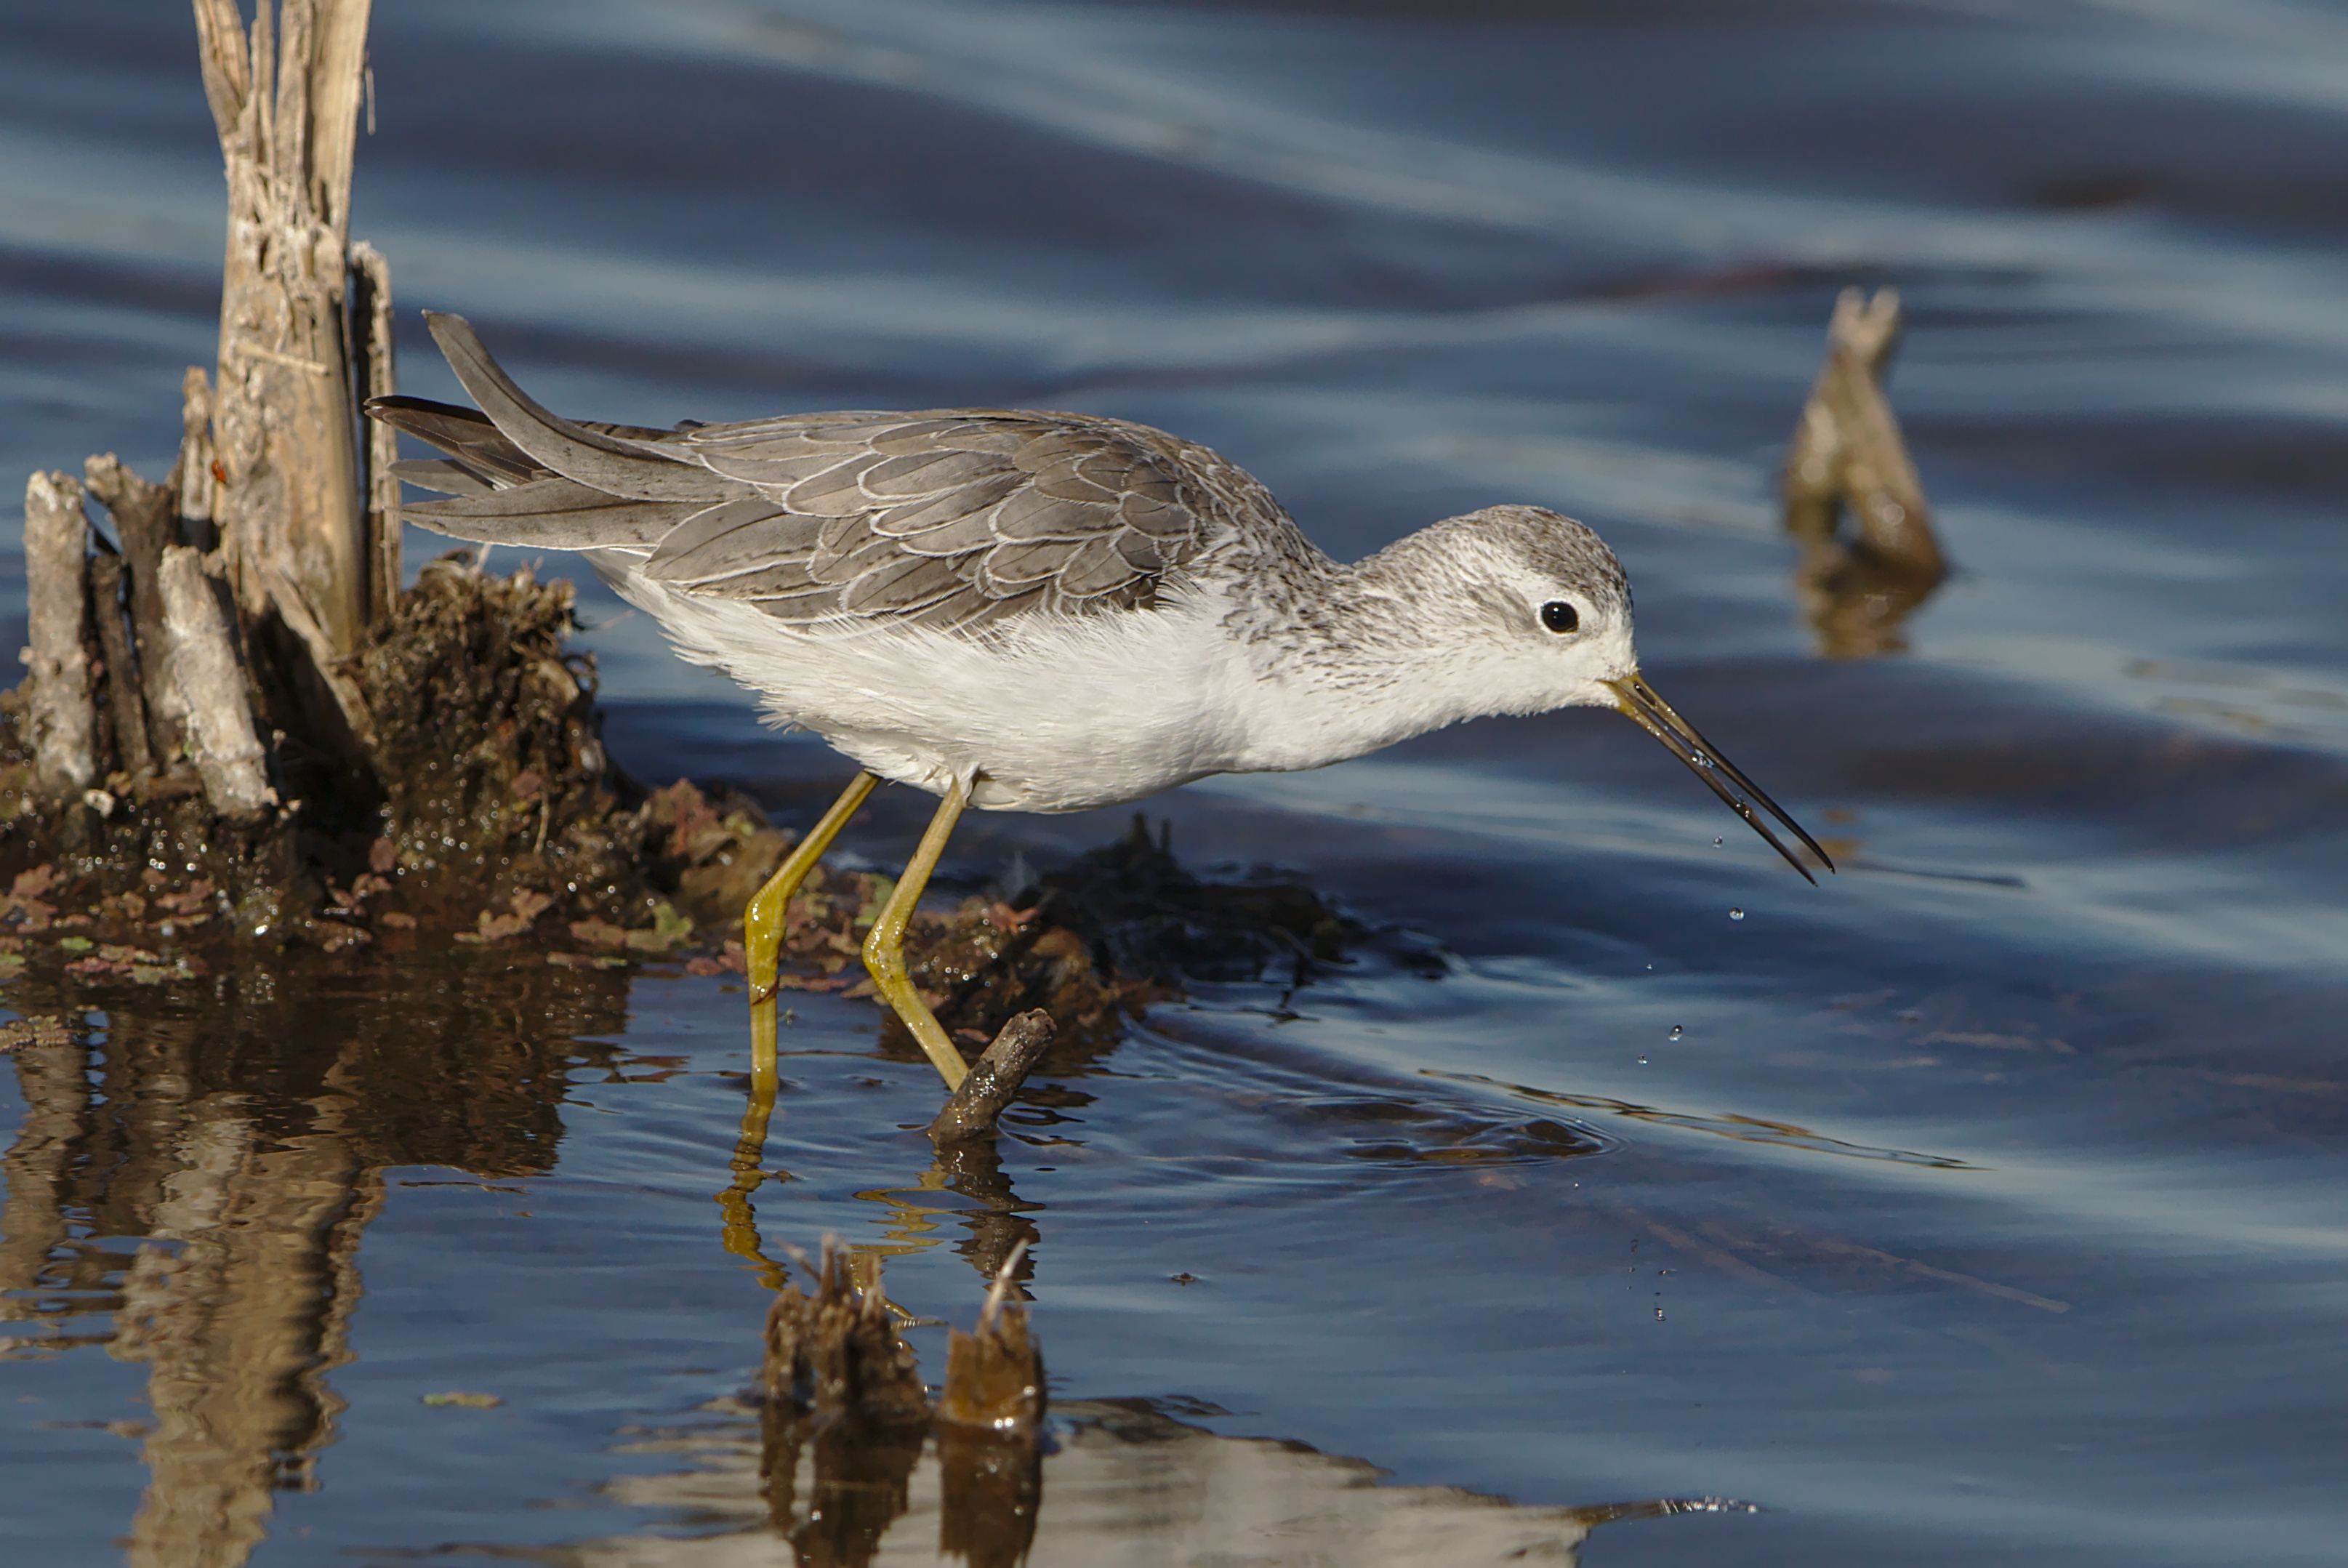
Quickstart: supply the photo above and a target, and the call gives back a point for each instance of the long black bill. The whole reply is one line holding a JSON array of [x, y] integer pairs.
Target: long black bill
[[1636, 700]]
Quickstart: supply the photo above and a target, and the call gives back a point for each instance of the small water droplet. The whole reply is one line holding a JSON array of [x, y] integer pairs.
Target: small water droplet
[[1716, 844], [1736, 914], [1677, 1032], [1659, 1314], [1643, 1061]]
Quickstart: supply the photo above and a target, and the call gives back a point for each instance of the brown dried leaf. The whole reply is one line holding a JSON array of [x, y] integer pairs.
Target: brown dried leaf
[[598, 933]]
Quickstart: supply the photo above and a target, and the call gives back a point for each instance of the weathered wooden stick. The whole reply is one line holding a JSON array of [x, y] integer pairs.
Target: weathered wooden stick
[[57, 552], [144, 517], [994, 1078], [125, 708], [191, 476], [220, 738], [377, 378]]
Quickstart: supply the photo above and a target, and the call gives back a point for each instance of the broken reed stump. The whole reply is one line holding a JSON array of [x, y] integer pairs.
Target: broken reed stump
[[846, 1416], [294, 357], [190, 708], [1848, 458]]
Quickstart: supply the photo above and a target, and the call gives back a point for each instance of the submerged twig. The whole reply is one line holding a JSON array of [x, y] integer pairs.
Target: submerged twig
[[994, 1078]]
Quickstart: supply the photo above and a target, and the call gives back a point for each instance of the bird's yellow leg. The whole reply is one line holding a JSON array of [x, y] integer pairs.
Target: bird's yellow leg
[[762, 944], [763, 918], [884, 948]]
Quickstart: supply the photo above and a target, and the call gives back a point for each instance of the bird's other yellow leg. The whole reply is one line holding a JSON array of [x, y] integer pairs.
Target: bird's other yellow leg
[[763, 917], [884, 948], [762, 926]]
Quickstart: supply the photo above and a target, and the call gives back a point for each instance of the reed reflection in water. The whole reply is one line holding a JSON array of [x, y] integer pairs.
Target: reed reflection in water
[[193, 1179], [202, 1172]]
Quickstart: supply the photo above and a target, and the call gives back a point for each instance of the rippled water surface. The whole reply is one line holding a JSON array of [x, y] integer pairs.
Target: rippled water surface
[[1983, 1205]]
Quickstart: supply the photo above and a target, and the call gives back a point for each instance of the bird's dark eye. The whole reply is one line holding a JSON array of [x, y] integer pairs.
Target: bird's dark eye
[[1559, 616]]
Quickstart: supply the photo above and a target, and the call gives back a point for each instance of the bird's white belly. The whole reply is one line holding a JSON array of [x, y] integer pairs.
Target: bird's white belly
[[1046, 715]]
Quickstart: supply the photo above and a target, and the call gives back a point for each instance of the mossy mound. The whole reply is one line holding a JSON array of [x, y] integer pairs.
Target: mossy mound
[[491, 816]]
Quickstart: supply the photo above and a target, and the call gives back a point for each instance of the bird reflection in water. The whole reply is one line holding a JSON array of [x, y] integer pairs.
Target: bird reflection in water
[[1123, 1482], [1847, 458]]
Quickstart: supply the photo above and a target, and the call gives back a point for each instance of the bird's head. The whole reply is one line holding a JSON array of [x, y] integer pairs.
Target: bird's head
[[1548, 606]]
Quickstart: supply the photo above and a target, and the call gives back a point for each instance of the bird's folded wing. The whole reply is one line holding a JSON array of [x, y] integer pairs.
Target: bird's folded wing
[[948, 518], [954, 518]]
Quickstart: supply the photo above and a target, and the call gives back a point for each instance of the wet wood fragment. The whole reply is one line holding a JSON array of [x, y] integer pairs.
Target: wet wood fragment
[[375, 375], [1849, 457], [64, 720], [125, 708], [990, 1432], [994, 1078], [210, 687], [843, 1390], [144, 517]]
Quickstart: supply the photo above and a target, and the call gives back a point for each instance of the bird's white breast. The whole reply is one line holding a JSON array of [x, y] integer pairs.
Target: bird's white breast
[[1049, 715]]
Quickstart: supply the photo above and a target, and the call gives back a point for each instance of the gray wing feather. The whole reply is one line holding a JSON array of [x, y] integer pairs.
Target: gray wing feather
[[956, 519], [1096, 568], [957, 537], [1032, 514], [973, 499], [446, 475], [552, 514], [732, 539]]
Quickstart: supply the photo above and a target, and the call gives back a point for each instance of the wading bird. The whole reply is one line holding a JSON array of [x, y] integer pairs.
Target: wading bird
[[1036, 612]]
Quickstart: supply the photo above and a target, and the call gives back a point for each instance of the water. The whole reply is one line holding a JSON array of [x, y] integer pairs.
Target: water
[[1989, 1209]]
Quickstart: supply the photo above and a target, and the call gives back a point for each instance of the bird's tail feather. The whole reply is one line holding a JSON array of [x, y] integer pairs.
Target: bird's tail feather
[[557, 484], [553, 514], [633, 470]]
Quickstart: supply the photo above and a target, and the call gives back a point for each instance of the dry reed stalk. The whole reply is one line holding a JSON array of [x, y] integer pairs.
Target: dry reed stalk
[[293, 527]]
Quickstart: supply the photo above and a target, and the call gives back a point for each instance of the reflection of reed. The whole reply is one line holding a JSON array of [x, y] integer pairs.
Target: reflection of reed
[[247, 1132], [967, 1164], [1847, 456]]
